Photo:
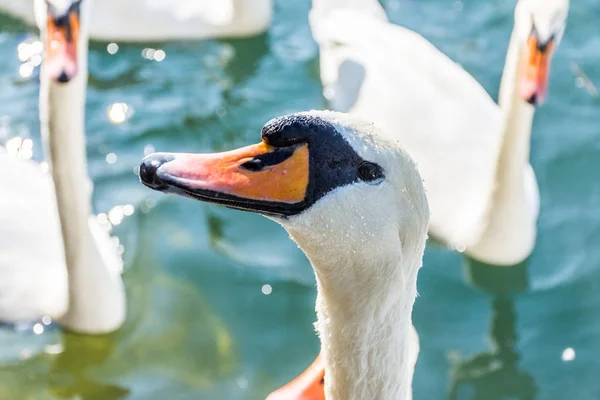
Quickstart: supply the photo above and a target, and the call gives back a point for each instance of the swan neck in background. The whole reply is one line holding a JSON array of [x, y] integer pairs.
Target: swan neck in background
[[366, 329], [97, 301], [508, 81], [510, 234], [62, 114], [517, 120]]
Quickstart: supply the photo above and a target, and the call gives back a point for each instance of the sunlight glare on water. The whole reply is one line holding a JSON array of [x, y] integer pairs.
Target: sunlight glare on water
[[119, 113], [112, 48]]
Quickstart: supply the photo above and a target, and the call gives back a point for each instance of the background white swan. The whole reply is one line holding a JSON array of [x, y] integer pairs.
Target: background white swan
[[473, 157], [354, 202], [152, 20], [57, 260]]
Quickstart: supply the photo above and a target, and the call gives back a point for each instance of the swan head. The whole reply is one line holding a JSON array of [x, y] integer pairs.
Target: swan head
[[63, 26], [339, 186], [540, 25]]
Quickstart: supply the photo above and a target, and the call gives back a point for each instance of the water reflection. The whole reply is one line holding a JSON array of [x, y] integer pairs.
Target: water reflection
[[172, 344], [236, 63], [247, 56], [583, 81], [215, 227], [69, 375], [222, 243], [172, 332], [62, 369], [495, 374], [119, 113], [498, 280]]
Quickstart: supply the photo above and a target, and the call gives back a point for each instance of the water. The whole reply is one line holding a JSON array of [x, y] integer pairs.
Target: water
[[199, 324]]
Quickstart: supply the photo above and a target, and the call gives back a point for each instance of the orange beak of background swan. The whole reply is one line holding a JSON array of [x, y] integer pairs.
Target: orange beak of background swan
[[258, 178], [535, 70], [308, 386], [62, 35]]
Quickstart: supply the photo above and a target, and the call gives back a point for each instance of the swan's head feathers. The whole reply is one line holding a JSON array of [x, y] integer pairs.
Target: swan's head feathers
[[540, 25], [548, 18], [63, 27], [335, 183], [363, 218], [61, 8]]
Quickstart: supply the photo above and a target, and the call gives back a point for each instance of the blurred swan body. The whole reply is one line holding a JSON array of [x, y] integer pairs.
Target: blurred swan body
[[472, 154], [157, 20], [55, 259], [354, 202]]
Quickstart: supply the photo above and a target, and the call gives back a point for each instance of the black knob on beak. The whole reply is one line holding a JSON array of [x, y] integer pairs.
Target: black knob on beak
[[150, 166], [63, 77], [533, 100]]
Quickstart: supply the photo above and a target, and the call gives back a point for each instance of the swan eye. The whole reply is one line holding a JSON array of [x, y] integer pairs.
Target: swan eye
[[369, 172]]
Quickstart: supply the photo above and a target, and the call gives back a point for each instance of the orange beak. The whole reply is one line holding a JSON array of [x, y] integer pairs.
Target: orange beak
[[260, 177], [308, 386], [62, 36], [534, 70]]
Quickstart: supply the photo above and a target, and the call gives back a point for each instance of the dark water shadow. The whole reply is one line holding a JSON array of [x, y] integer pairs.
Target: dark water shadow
[[223, 121], [247, 53], [10, 24], [495, 374], [69, 375], [61, 368]]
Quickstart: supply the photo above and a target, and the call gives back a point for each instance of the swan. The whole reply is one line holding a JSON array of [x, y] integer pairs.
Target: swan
[[472, 153], [55, 259], [156, 20], [354, 202]]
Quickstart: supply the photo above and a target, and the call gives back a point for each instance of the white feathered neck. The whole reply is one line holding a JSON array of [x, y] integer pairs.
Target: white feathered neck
[[366, 243]]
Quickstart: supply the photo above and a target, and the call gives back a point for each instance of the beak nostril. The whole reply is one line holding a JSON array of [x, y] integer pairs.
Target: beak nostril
[[254, 165]]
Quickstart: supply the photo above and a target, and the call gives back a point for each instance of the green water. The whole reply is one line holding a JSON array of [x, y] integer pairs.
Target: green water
[[199, 325]]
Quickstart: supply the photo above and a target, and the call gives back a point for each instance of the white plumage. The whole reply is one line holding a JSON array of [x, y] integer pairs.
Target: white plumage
[[33, 277], [152, 20]]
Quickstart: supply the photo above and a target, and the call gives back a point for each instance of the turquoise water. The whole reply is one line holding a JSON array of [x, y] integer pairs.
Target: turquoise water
[[199, 324]]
